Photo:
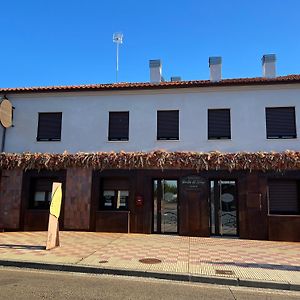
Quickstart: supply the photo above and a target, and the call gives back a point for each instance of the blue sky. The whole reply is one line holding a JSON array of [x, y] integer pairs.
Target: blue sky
[[62, 42]]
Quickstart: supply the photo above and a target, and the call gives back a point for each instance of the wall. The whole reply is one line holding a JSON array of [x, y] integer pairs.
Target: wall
[[85, 119], [10, 199], [78, 199]]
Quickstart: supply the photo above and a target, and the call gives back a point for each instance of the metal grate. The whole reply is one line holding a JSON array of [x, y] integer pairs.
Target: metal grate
[[224, 272], [150, 261]]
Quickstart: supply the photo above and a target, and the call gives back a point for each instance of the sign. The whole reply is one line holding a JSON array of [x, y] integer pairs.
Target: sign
[[193, 183], [6, 112], [56, 199], [53, 226]]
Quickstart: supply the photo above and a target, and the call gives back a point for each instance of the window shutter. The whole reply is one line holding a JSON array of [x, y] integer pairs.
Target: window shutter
[[118, 126], [281, 122], [168, 125], [219, 124], [283, 197], [44, 184], [49, 127]]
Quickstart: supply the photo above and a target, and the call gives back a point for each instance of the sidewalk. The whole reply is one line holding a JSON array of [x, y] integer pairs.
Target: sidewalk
[[252, 263]]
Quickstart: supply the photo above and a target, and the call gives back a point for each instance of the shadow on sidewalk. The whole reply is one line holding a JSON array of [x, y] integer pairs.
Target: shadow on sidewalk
[[257, 265], [23, 247]]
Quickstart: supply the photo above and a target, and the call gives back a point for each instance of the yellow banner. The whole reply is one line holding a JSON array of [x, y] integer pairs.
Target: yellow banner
[[56, 199]]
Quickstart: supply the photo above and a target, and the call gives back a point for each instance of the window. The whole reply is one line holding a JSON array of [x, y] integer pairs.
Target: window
[[168, 125], [280, 122], [41, 190], [49, 127], [118, 126], [219, 124], [115, 194], [284, 197]]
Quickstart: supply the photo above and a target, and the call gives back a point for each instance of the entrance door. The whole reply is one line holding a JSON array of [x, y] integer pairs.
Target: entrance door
[[223, 208], [165, 206]]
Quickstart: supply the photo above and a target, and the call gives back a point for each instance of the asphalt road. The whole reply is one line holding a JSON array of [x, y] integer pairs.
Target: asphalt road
[[28, 284]]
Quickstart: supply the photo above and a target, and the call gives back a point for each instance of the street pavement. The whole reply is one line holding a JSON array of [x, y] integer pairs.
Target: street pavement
[[213, 260], [24, 284]]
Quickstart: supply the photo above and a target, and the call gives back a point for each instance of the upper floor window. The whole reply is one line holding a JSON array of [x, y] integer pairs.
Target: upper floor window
[[219, 124], [118, 126], [284, 197], [168, 125], [49, 127], [281, 122]]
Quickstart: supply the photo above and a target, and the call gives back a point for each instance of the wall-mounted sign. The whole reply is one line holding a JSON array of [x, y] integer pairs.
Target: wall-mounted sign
[[6, 113], [193, 183]]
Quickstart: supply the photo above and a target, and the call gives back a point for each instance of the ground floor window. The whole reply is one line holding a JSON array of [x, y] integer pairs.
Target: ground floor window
[[284, 197], [41, 190], [114, 194]]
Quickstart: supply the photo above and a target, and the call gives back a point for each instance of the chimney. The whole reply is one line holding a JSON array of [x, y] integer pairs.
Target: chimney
[[155, 70], [269, 65], [175, 78], [215, 66]]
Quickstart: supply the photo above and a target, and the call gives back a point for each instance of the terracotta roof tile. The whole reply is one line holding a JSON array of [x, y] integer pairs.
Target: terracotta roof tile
[[289, 79]]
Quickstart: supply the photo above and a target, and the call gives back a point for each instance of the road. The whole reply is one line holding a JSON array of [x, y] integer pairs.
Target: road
[[30, 284]]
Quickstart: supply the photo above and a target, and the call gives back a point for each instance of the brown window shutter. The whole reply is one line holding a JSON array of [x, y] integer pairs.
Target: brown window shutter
[[118, 126], [219, 124], [283, 197], [281, 122], [49, 127], [168, 125]]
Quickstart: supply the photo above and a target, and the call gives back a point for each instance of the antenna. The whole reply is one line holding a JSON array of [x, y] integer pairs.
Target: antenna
[[118, 39]]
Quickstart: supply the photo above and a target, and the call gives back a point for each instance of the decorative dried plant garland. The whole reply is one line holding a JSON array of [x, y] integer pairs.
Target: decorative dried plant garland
[[251, 161]]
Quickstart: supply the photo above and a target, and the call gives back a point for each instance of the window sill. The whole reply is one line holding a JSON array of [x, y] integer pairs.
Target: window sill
[[168, 140], [281, 138], [41, 141], [118, 141], [283, 215], [219, 140]]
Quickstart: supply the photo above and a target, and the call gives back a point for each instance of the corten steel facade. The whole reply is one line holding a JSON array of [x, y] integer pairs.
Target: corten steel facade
[[83, 193], [251, 195]]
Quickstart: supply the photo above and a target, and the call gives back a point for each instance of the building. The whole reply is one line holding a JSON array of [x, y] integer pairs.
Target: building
[[184, 157]]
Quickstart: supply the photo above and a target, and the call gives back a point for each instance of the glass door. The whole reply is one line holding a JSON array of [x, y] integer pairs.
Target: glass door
[[165, 206], [223, 207]]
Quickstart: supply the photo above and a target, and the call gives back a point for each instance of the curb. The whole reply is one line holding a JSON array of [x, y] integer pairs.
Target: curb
[[157, 275]]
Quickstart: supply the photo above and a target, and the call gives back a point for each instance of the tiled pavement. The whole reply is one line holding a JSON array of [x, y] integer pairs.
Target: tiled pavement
[[231, 258]]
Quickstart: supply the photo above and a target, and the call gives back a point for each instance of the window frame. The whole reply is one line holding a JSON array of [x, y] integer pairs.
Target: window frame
[[210, 137], [114, 202], [42, 139], [157, 125], [33, 191], [120, 139], [280, 137]]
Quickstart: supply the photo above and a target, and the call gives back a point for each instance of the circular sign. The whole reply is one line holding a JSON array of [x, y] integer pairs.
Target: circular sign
[[6, 110], [227, 198]]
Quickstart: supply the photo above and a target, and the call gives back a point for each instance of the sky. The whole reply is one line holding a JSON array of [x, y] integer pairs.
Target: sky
[[69, 42]]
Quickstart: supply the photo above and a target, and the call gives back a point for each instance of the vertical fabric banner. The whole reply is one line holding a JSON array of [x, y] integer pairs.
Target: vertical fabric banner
[[55, 207]]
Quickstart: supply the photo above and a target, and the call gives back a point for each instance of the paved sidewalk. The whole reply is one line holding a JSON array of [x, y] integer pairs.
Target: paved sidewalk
[[216, 260]]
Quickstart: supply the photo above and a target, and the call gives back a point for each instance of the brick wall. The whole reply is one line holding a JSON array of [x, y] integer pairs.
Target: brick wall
[[78, 199], [10, 198]]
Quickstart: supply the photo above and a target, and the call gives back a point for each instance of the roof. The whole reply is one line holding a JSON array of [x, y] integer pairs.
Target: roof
[[289, 79]]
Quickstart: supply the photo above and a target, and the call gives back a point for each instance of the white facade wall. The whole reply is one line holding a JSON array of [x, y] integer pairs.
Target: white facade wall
[[85, 119]]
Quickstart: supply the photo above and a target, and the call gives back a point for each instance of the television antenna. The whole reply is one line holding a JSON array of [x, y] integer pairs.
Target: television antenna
[[117, 39]]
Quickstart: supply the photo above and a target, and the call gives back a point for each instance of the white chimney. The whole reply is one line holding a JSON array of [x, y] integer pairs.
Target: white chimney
[[155, 70], [269, 65], [215, 66]]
